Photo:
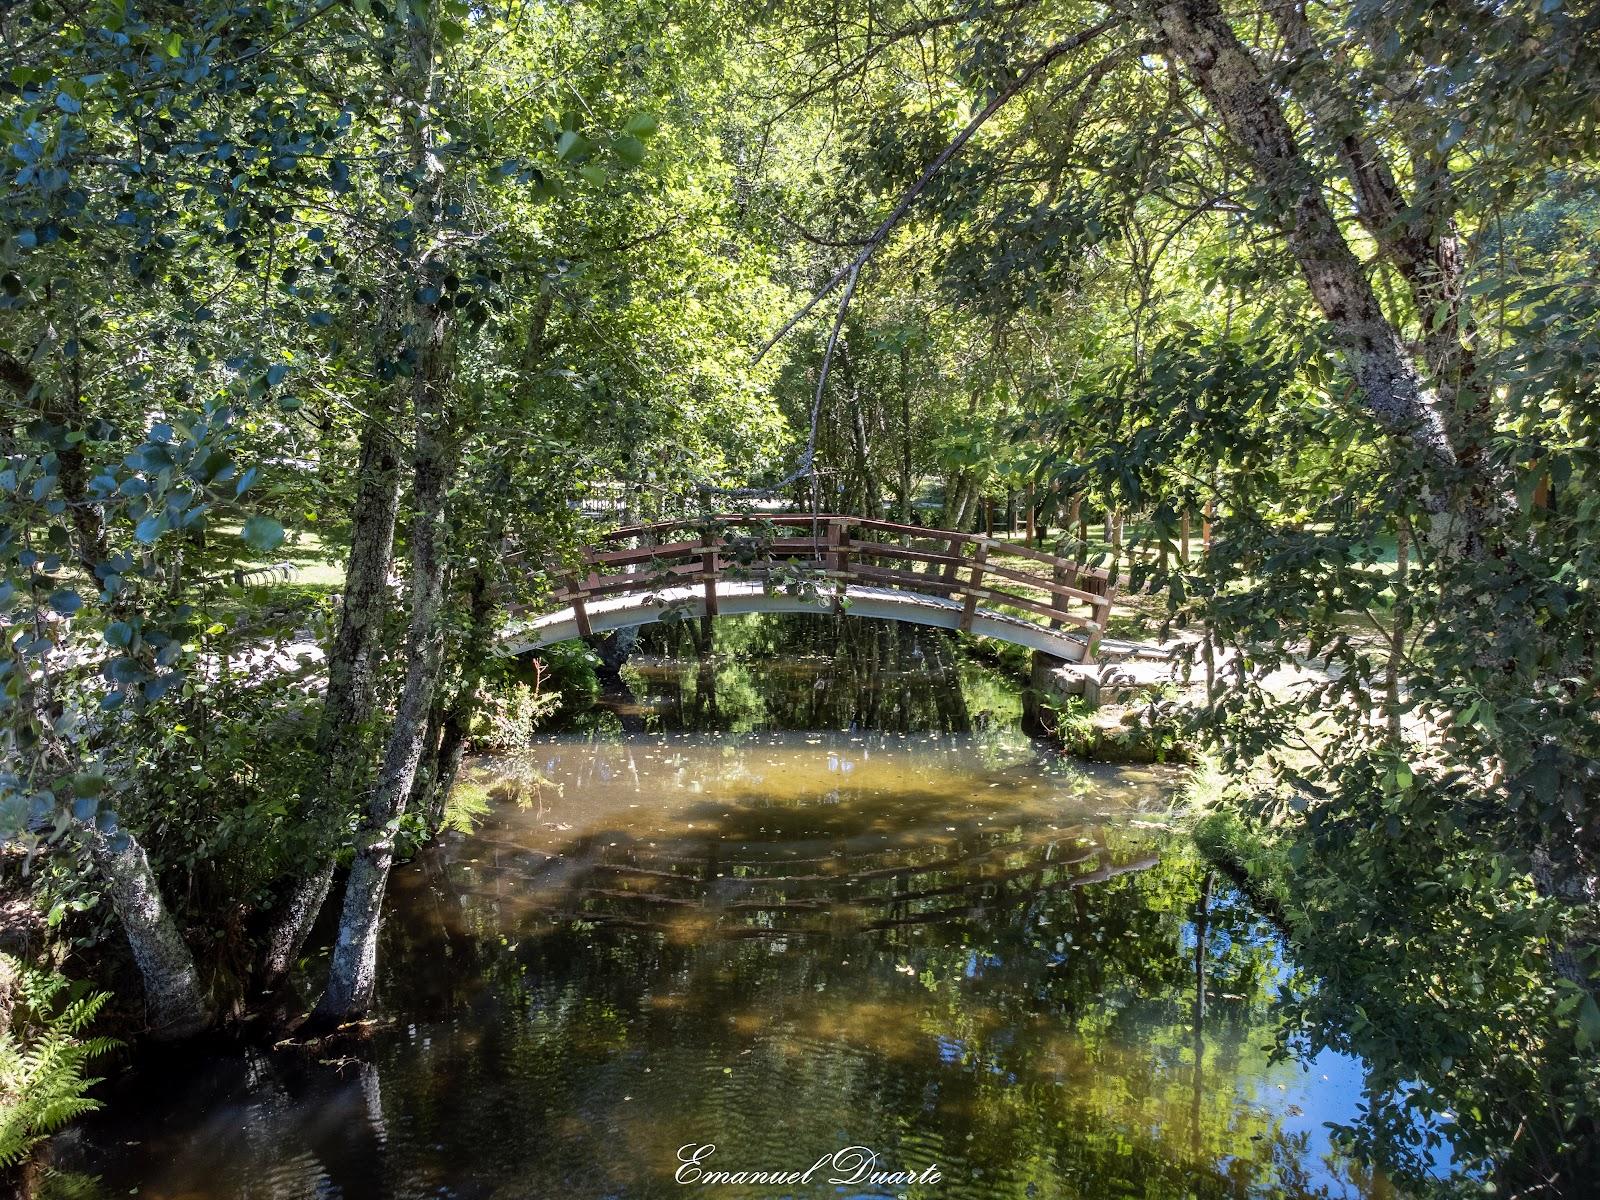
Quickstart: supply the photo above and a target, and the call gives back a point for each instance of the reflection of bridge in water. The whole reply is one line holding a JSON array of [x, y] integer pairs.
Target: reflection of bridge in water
[[732, 863], [811, 563]]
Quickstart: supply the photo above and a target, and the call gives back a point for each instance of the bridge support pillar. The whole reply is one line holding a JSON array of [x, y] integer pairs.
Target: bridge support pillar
[[1037, 718]]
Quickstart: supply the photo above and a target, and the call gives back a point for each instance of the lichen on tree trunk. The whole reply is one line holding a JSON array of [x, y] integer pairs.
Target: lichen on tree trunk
[[347, 704], [176, 1002]]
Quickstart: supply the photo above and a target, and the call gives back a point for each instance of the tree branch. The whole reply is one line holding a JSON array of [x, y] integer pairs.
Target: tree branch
[[870, 244]]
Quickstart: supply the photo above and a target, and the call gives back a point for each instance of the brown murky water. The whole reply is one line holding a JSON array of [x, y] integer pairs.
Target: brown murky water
[[957, 951]]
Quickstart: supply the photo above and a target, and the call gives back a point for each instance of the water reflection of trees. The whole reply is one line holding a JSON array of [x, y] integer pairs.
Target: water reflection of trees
[[807, 672], [1017, 1004], [1004, 978]]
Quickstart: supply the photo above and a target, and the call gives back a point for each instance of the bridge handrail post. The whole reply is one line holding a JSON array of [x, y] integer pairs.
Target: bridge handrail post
[[580, 613], [969, 608], [1058, 574], [1102, 618], [839, 560], [709, 566]]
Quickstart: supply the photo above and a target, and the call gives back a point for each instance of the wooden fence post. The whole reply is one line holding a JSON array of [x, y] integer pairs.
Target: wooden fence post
[[708, 570], [969, 607]]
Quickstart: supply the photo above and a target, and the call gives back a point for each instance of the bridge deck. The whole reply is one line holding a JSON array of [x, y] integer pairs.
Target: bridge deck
[[750, 596]]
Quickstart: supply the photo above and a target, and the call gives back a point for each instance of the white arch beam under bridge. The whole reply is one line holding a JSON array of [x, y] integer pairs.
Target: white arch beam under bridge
[[864, 568]]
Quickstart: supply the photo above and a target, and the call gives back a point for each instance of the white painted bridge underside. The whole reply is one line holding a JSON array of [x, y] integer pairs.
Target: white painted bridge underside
[[747, 596]]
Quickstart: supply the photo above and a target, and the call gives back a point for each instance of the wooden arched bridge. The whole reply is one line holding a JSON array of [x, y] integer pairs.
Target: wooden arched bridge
[[803, 562]]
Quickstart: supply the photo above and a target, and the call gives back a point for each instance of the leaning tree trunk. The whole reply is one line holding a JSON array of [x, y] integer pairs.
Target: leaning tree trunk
[[352, 975], [1198, 35], [347, 705], [177, 1004]]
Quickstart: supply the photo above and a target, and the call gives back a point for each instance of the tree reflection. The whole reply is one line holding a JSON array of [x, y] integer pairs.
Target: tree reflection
[[952, 950], [1029, 1002], [804, 672]]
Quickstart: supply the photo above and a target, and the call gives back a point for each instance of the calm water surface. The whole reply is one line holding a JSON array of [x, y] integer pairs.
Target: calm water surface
[[953, 948]]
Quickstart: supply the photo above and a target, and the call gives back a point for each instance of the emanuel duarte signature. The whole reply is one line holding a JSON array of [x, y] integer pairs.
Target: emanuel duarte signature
[[851, 1165]]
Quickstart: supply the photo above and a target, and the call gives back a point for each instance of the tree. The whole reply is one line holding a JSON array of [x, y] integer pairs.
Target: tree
[[1339, 180]]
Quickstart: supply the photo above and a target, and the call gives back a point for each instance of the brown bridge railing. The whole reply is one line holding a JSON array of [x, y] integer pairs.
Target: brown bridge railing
[[838, 551]]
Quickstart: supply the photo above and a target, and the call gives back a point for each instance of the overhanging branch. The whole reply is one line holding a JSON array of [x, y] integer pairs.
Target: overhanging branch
[[878, 236], [851, 271]]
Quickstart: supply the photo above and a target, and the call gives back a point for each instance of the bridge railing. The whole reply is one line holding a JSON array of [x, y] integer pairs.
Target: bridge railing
[[835, 551]]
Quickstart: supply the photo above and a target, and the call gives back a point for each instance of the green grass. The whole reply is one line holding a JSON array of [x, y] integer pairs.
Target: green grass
[[313, 564]]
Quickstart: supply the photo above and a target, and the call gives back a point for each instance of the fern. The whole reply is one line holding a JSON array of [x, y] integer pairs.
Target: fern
[[43, 1061]]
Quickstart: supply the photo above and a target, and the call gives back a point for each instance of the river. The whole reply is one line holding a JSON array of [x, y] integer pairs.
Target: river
[[797, 894]]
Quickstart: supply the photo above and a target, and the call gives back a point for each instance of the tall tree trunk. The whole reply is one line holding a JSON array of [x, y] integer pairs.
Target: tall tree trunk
[[905, 435], [177, 1004], [1426, 252], [861, 450], [871, 490], [954, 489], [347, 706], [352, 974], [455, 720]]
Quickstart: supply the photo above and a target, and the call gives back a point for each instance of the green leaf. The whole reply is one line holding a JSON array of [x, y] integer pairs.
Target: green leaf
[[263, 533], [173, 46], [572, 146], [641, 124], [629, 149], [1588, 1021]]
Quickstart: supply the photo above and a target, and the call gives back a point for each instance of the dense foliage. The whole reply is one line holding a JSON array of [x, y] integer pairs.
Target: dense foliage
[[327, 327]]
